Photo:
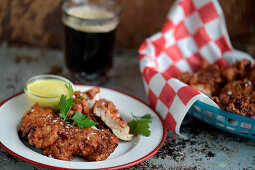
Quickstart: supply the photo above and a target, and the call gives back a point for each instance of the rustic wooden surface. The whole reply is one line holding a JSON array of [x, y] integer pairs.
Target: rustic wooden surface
[[37, 22], [240, 18], [31, 22]]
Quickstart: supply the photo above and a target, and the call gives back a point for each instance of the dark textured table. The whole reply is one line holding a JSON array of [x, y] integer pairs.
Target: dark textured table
[[205, 148]]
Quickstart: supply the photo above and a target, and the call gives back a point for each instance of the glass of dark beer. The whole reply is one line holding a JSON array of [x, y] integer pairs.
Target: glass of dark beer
[[89, 37]]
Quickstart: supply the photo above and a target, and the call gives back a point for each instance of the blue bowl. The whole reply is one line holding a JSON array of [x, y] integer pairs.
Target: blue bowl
[[230, 122]]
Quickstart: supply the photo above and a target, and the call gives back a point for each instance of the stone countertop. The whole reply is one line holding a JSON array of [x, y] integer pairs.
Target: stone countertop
[[205, 148]]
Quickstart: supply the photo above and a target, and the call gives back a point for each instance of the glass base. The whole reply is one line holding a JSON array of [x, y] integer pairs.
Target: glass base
[[90, 79]]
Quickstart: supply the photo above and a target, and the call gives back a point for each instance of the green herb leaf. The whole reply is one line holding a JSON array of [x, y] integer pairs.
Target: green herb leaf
[[146, 116], [62, 106], [70, 90], [132, 126], [65, 106], [142, 128], [82, 121], [140, 125]]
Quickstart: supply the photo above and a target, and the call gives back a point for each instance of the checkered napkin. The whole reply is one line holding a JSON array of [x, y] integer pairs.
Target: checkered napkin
[[194, 30]]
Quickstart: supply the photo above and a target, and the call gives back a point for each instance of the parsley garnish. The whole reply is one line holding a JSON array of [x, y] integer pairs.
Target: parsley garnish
[[65, 104], [140, 125], [82, 121]]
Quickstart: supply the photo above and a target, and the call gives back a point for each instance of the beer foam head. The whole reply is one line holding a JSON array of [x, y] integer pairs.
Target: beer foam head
[[90, 19]]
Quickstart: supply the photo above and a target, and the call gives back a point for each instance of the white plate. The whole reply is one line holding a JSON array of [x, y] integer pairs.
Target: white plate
[[126, 154]]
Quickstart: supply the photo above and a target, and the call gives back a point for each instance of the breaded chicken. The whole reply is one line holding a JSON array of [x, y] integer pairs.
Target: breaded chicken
[[91, 96], [47, 131], [84, 102], [231, 88], [205, 80]]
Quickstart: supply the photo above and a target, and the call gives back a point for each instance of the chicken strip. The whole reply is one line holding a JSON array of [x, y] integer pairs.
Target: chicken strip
[[111, 117]]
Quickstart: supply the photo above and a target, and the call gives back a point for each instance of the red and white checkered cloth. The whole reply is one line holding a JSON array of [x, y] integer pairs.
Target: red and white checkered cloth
[[194, 30]]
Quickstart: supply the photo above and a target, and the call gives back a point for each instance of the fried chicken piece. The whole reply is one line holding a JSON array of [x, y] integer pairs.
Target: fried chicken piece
[[211, 76], [235, 103], [205, 88], [49, 132], [107, 111], [237, 71], [251, 75], [39, 117], [188, 78], [91, 96], [77, 107], [62, 149], [231, 88], [230, 73], [242, 66], [192, 80], [205, 80], [85, 104], [92, 144], [44, 136], [243, 87]]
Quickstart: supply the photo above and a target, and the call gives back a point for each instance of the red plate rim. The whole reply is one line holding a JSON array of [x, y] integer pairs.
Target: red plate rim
[[115, 167]]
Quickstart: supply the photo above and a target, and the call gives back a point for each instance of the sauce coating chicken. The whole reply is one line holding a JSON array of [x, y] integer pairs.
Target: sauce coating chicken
[[47, 131]]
